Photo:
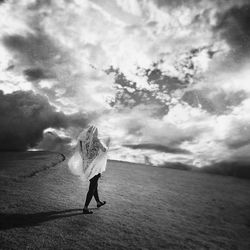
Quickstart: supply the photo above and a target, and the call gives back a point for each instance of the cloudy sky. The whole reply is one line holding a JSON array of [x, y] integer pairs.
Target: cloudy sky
[[168, 80]]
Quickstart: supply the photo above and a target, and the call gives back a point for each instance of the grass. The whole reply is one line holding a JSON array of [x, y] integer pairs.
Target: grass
[[147, 208]]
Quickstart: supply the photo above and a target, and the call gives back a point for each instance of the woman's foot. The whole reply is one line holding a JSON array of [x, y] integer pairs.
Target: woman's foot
[[86, 211], [101, 203]]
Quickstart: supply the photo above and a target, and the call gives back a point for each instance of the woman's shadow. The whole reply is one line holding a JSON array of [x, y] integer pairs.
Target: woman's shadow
[[8, 221]]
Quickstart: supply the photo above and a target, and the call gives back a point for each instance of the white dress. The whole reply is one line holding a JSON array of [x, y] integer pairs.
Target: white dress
[[89, 159]]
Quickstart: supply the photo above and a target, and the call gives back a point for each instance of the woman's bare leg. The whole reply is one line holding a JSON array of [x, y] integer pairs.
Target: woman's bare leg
[[96, 194], [92, 187]]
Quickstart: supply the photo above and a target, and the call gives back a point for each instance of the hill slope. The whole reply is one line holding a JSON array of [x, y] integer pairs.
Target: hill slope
[[147, 208]]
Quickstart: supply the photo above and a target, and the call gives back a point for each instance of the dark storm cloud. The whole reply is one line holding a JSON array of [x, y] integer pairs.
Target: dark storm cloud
[[233, 26], [164, 82], [158, 147], [24, 116], [240, 136], [129, 95], [216, 3], [220, 103], [34, 74], [38, 4], [39, 57], [235, 144], [175, 3], [31, 49]]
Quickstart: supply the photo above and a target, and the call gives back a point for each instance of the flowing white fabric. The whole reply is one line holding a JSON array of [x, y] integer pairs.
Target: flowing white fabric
[[89, 158]]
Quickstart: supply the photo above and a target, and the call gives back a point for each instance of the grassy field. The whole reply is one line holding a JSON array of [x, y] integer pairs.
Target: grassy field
[[147, 208], [27, 164]]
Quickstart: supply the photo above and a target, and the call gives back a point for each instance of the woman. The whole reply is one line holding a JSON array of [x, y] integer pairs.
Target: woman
[[94, 158]]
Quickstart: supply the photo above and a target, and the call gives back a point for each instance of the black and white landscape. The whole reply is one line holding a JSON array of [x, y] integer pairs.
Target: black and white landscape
[[168, 81]]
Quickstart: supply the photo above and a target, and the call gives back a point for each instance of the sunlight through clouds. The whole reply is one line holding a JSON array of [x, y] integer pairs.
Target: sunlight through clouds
[[146, 71]]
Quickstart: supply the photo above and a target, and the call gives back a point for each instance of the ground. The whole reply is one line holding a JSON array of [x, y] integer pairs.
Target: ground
[[147, 208]]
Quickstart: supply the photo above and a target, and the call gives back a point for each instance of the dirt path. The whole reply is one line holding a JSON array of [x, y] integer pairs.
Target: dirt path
[[147, 208]]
